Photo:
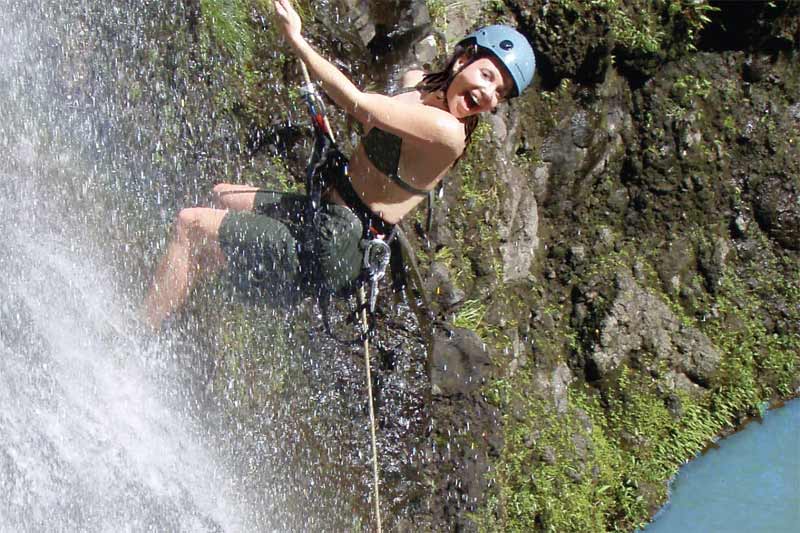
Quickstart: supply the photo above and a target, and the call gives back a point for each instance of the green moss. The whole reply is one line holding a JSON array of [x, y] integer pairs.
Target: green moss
[[759, 364], [229, 24], [548, 478]]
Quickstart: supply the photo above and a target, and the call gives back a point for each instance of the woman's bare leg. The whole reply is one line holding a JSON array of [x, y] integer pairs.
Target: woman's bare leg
[[193, 252], [235, 197]]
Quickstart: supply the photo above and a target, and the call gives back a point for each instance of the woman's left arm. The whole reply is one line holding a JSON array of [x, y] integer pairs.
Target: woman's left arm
[[335, 84], [427, 125]]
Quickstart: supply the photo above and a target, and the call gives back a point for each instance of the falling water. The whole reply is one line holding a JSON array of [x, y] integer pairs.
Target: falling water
[[88, 441], [108, 125], [95, 433]]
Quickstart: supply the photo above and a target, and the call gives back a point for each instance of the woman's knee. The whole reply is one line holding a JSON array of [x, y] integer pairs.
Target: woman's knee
[[218, 191], [199, 223], [218, 194], [233, 196]]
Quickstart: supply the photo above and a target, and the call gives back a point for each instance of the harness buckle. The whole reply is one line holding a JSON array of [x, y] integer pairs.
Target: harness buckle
[[376, 258]]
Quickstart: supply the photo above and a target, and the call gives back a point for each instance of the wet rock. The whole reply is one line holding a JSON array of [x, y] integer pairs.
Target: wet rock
[[577, 254], [739, 226], [754, 69], [758, 27], [519, 228], [561, 152], [440, 287], [580, 129], [618, 200], [389, 33], [674, 405], [777, 209], [481, 263], [541, 176], [677, 381], [460, 362], [426, 51], [587, 56], [794, 112], [574, 475], [604, 242], [521, 237], [676, 265], [712, 263], [461, 16], [361, 20], [548, 456]]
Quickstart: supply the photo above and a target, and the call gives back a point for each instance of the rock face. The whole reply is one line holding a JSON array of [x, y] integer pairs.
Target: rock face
[[644, 186], [638, 325], [519, 223], [618, 248], [776, 206]]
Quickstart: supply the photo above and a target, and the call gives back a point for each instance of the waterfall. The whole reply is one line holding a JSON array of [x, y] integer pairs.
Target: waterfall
[[97, 431], [110, 122], [89, 441]]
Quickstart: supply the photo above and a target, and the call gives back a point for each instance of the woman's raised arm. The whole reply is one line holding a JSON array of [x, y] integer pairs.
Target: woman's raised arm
[[423, 123]]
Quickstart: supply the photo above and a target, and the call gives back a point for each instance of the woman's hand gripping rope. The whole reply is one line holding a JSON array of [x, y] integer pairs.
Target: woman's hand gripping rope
[[292, 25], [290, 21]]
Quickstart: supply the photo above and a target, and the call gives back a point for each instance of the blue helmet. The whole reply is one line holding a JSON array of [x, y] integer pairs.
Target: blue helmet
[[511, 48]]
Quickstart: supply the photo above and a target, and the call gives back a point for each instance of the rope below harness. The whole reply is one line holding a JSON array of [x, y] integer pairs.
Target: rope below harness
[[375, 473], [376, 258]]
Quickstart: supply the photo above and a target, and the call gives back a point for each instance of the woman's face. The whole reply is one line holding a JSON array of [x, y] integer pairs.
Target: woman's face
[[478, 88]]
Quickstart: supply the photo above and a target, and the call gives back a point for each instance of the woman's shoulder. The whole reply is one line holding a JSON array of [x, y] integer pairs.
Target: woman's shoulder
[[411, 78]]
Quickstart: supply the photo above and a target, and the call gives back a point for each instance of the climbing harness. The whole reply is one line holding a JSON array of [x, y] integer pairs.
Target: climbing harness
[[376, 259], [327, 169], [376, 254]]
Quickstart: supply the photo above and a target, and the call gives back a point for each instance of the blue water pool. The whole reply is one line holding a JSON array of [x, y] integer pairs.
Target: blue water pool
[[750, 484]]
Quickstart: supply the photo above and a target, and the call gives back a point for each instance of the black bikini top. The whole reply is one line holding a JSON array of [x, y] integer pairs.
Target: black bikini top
[[383, 151]]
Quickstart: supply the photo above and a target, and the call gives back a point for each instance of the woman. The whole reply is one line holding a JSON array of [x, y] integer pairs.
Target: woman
[[412, 139]]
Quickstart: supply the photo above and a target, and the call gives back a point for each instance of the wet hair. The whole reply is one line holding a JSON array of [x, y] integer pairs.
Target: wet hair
[[440, 81]]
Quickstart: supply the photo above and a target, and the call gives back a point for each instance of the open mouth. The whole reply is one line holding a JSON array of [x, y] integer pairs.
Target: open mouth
[[471, 101]]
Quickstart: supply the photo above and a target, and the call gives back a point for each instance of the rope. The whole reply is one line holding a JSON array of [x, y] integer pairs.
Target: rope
[[309, 86], [375, 476], [365, 323]]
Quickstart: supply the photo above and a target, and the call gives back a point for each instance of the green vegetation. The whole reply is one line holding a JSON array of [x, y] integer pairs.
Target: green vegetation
[[639, 25], [559, 472], [689, 88], [229, 24], [604, 463], [638, 29], [438, 13], [760, 364], [694, 16], [470, 315], [478, 193], [647, 28]]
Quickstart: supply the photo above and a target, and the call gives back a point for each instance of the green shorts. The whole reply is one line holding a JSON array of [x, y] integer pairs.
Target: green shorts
[[270, 259]]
